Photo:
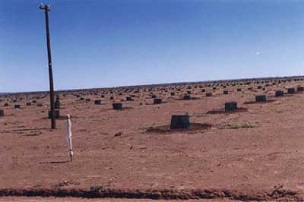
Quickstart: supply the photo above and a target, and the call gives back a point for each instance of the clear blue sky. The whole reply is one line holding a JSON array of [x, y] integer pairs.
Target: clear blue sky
[[101, 43]]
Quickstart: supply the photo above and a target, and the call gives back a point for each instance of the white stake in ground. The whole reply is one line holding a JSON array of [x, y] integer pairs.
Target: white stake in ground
[[69, 136]]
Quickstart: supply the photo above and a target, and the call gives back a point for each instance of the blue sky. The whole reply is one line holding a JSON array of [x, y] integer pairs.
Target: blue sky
[[102, 43]]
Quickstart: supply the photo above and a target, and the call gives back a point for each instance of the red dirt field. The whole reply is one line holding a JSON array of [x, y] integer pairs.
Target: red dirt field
[[257, 154], [68, 199]]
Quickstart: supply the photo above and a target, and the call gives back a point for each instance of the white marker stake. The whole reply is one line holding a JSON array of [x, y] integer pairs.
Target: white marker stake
[[69, 136]]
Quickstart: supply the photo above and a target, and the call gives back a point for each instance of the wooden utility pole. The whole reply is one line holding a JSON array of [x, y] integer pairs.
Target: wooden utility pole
[[46, 9]]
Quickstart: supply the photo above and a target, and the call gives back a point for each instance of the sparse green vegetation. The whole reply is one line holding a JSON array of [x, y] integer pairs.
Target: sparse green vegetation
[[238, 126]]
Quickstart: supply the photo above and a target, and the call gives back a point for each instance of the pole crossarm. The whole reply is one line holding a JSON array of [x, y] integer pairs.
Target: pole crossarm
[[45, 7]]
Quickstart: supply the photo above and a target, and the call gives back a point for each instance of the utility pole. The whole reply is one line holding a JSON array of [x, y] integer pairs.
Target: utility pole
[[46, 9]]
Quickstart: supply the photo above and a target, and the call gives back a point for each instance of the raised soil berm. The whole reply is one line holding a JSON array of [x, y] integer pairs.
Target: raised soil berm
[[277, 194], [166, 129], [230, 107]]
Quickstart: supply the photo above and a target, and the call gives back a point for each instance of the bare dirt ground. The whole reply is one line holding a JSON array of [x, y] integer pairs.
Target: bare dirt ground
[[257, 154], [68, 199]]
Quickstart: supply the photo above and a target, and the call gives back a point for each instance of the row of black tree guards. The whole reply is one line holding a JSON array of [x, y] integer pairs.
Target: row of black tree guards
[[177, 121]]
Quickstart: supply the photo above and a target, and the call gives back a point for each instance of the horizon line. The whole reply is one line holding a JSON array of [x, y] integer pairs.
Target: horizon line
[[155, 84]]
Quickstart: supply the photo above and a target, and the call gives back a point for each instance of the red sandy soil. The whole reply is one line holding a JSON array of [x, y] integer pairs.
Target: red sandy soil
[[68, 199], [253, 155]]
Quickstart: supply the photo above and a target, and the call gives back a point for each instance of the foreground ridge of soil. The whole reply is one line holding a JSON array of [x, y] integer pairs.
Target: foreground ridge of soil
[[168, 194]]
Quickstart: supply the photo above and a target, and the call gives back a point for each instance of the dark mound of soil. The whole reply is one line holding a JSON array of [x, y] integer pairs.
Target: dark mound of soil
[[255, 102], [166, 128], [191, 98], [222, 111]]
